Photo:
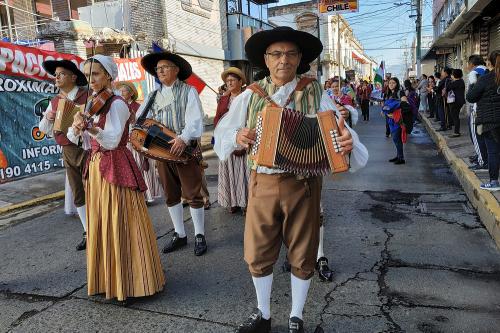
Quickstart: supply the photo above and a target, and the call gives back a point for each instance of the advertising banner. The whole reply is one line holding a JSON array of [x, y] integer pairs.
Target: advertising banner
[[332, 7]]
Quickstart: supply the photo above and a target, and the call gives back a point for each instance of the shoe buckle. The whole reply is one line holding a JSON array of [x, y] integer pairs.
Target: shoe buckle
[[254, 316], [323, 263], [294, 326]]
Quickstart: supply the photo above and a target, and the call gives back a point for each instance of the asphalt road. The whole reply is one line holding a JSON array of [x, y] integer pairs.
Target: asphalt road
[[410, 255]]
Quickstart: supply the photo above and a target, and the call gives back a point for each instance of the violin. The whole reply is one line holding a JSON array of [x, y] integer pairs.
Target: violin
[[97, 102]]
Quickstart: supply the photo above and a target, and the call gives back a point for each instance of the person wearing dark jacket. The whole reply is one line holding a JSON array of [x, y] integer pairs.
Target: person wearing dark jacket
[[442, 105], [486, 93], [456, 88]]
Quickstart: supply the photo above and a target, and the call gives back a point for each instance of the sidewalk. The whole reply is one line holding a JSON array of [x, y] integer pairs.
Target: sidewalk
[[50, 186], [457, 152]]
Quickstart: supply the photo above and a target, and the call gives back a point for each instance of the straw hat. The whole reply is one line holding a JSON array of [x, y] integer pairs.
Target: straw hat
[[236, 71], [129, 85]]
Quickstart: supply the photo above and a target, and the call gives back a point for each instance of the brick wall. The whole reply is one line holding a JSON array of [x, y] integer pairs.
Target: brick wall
[[188, 23], [147, 17]]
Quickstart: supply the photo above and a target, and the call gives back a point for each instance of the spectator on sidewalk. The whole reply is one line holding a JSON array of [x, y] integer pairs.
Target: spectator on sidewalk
[[486, 93], [422, 89], [438, 102], [456, 99], [477, 68], [431, 97], [442, 91]]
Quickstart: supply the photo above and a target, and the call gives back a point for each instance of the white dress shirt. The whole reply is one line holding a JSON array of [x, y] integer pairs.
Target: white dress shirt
[[228, 126], [193, 118], [111, 135]]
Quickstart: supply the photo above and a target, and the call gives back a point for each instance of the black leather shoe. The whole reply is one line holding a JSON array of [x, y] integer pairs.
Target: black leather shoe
[[324, 272], [286, 267], [200, 245], [295, 325], [400, 161], [393, 159], [255, 324], [83, 244], [175, 244]]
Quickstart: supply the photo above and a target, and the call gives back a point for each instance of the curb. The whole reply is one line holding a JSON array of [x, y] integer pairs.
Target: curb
[[32, 202], [484, 202]]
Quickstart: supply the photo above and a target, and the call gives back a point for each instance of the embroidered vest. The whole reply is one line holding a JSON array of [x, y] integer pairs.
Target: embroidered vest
[[80, 98], [173, 115], [117, 166]]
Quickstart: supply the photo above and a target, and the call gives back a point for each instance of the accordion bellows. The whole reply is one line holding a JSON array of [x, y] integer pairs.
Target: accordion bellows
[[66, 110], [297, 143]]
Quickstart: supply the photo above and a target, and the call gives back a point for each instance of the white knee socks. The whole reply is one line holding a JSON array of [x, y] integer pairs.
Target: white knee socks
[[299, 295], [320, 247], [83, 216], [176, 214], [263, 286], [198, 217]]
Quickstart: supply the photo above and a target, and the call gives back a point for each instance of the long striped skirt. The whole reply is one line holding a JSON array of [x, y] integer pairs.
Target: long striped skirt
[[122, 253], [233, 182], [151, 177]]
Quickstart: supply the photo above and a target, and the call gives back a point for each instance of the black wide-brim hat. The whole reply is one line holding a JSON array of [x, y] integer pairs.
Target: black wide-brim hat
[[51, 65], [150, 61], [310, 46]]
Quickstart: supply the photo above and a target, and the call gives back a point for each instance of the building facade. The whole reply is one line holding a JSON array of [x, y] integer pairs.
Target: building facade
[[462, 28], [342, 51]]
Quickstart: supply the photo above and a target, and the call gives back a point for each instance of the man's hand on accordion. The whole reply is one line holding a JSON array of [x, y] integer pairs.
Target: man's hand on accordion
[[245, 137], [345, 138], [178, 146]]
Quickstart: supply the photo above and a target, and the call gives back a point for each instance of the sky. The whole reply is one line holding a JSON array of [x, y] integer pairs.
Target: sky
[[384, 29]]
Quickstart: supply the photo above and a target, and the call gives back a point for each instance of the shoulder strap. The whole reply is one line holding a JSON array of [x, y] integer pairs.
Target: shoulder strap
[[147, 107], [303, 82], [257, 89]]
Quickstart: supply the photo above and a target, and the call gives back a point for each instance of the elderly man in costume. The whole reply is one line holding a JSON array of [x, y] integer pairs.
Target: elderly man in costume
[[70, 81], [282, 207], [177, 105]]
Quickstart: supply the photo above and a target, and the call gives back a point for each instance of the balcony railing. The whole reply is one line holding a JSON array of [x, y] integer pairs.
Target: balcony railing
[[238, 21]]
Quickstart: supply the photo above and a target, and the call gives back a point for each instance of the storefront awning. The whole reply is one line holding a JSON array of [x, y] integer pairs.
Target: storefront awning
[[359, 58]]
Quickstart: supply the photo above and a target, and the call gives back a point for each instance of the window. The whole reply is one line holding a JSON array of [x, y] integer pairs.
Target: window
[[232, 6], [244, 6], [254, 10]]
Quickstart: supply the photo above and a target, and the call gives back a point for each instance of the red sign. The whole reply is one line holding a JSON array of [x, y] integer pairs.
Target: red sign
[[130, 70], [27, 61]]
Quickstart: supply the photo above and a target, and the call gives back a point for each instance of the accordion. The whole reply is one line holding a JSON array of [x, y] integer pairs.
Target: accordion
[[297, 143], [66, 110]]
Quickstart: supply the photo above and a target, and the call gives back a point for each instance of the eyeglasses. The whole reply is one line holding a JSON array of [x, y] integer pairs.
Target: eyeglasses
[[61, 74], [276, 55], [231, 81], [164, 68]]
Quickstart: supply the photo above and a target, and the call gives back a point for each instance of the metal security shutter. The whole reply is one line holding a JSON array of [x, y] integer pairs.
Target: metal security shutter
[[449, 60], [495, 36]]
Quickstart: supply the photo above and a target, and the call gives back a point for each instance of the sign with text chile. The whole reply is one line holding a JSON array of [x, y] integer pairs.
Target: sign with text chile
[[331, 7]]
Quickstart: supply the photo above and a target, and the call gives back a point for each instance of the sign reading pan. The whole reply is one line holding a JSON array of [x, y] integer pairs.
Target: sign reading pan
[[330, 7]]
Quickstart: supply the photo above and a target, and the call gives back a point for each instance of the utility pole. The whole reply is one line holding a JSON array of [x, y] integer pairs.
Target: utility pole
[[419, 37], [338, 42]]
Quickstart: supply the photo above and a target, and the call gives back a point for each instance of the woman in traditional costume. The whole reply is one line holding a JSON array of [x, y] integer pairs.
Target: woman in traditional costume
[[122, 253]]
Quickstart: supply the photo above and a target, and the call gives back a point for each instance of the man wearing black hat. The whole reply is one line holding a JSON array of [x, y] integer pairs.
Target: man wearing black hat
[[282, 207], [177, 105], [70, 81]]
